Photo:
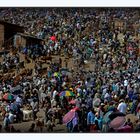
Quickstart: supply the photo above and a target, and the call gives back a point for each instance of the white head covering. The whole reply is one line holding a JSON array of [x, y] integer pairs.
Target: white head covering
[[125, 82]]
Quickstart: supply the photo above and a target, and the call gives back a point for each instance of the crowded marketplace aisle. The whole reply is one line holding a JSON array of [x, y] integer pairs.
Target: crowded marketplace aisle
[[83, 75]]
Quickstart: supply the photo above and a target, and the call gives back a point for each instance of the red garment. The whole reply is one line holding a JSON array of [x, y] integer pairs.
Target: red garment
[[53, 38]]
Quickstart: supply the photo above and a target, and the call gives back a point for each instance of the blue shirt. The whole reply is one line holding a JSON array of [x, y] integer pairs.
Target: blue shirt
[[90, 118], [100, 122]]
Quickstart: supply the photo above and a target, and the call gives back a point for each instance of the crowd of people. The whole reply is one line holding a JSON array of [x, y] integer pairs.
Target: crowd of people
[[100, 99]]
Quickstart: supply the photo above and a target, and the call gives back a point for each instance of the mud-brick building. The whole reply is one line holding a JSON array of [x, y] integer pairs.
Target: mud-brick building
[[21, 39], [11, 34], [7, 32]]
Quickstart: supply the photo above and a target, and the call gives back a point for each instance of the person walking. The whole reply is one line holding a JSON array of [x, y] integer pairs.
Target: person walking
[[90, 119], [35, 108], [6, 123], [122, 107]]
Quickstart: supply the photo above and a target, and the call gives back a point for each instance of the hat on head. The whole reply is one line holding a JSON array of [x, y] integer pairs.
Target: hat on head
[[121, 100], [102, 104], [4, 89], [105, 101], [71, 89]]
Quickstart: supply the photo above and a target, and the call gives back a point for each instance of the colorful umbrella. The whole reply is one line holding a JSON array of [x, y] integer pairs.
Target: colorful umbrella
[[72, 102], [125, 129], [117, 122], [57, 74], [75, 109], [68, 117], [67, 93], [132, 118], [8, 97], [113, 115], [106, 118]]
